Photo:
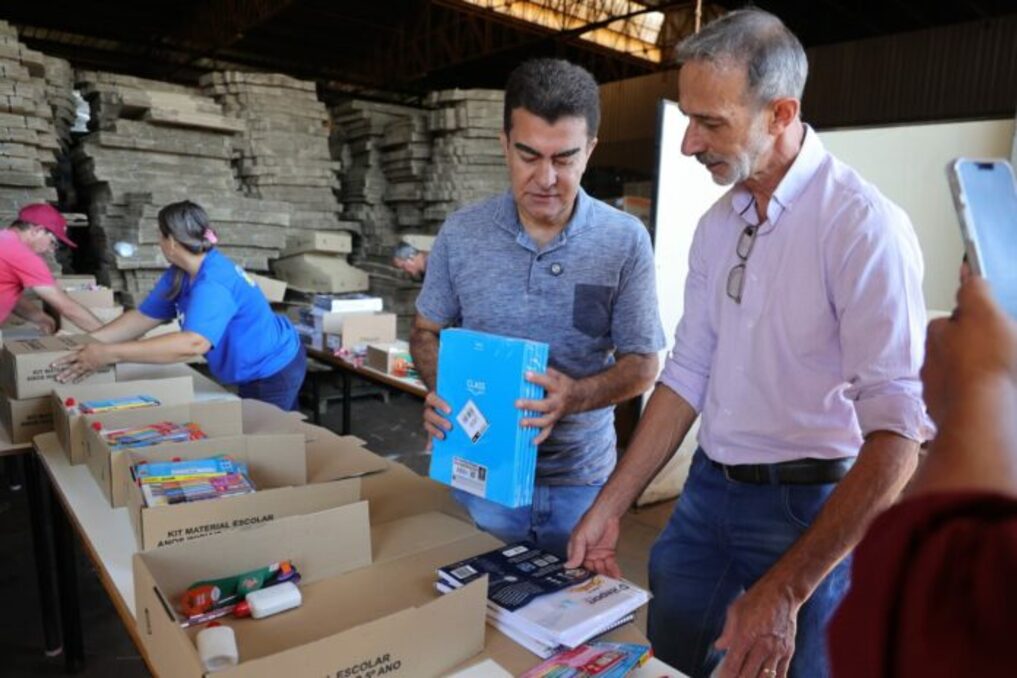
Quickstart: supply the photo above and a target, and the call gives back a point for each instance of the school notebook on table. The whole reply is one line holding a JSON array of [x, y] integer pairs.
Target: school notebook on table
[[487, 453]]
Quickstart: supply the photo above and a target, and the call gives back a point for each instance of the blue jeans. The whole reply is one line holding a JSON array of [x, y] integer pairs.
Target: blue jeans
[[722, 537], [547, 523], [282, 389]]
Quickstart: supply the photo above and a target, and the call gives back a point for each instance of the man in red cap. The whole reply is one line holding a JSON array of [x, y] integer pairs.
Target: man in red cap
[[35, 232]]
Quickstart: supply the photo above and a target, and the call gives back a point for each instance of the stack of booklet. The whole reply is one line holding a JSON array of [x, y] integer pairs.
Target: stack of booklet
[[488, 453], [535, 601], [166, 483]]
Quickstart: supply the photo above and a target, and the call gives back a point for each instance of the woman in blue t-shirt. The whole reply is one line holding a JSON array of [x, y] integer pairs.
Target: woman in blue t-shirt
[[223, 315]]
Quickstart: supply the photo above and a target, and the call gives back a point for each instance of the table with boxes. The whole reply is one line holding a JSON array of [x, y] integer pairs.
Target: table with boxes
[[366, 535]]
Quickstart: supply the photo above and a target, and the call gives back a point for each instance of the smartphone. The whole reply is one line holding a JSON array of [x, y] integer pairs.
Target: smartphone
[[985, 195]]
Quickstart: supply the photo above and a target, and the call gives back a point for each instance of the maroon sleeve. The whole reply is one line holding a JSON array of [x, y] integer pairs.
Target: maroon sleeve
[[933, 591]]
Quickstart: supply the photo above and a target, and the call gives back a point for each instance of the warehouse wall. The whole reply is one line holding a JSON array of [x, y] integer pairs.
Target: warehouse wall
[[908, 163]]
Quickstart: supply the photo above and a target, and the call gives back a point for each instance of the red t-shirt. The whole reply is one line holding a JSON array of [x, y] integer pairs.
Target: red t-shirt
[[933, 592], [20, 267]]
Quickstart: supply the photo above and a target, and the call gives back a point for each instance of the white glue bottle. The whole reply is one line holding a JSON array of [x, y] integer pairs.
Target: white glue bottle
[[268, 601], [217, 647]]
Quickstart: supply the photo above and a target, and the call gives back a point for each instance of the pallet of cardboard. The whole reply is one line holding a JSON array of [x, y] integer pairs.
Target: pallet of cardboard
[[277, 467], [335, 242], [368, 604], [320, 273], [110, 467]]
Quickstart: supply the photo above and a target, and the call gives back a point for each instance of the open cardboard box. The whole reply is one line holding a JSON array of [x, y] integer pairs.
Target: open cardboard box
[[277, 466], [361, 616], [25, 369], [109, 467], [69, 423]]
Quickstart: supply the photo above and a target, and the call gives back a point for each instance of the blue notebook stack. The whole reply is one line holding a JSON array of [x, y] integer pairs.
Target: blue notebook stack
[[487, 453]]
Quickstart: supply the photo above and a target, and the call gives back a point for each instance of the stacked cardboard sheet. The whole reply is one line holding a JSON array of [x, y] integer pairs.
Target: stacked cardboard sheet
[[151, 144], [28, 143], [467, 162], [283, 153]]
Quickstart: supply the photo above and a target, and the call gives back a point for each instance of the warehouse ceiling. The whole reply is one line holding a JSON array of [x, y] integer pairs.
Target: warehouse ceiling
[[412, 46]]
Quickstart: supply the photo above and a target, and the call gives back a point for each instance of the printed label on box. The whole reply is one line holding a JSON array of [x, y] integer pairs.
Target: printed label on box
[[469, 477], [472, 421]]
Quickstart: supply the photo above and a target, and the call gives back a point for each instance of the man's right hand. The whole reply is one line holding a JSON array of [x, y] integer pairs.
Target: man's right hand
[[594, 543], [436, 412]]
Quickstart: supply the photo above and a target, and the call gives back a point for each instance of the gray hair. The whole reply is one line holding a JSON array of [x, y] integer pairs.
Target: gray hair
[[774, 59], [404, 251]]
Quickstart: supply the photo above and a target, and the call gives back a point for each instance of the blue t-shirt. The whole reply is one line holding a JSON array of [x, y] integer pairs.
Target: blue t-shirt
[[589, 293], [249, 341]]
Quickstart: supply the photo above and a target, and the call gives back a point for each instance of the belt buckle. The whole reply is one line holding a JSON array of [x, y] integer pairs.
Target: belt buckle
[[727, 473]]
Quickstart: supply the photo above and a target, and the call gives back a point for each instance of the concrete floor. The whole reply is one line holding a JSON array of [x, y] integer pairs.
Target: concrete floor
[[392, 430]]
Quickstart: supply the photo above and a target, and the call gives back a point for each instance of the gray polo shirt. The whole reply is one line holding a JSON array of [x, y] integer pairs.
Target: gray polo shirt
[[588, 294]]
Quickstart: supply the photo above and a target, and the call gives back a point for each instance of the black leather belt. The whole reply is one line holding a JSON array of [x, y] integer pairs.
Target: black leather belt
[[798, 472]]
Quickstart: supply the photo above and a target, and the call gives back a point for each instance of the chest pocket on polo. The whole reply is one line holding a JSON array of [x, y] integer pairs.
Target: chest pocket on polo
[[591, 309]]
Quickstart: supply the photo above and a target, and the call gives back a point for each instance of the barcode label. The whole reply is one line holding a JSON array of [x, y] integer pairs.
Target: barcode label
[[472, 421], [463, 572], [469, 477]]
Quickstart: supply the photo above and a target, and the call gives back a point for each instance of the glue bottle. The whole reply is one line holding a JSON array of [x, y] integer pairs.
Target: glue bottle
[[268, 601], [71, 405], [217, 647]]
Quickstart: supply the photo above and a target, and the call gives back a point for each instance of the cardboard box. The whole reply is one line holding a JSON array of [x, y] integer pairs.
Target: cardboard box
[[27, 418], [98, 297], [360, 329], [69, 424], [217, 418], [274, 290], [25, 369], [361, 615], [383, 356], [75, 281], [336, 242], [277, 466], [103, 314]]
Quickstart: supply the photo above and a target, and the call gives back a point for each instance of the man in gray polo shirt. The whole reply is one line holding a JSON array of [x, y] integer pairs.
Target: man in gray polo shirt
[[545, 261]]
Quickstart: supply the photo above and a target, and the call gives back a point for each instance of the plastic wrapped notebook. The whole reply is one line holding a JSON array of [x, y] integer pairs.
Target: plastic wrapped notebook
[[488, 453]]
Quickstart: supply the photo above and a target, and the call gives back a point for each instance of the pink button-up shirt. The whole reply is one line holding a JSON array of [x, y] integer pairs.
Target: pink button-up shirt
[[828, 339]]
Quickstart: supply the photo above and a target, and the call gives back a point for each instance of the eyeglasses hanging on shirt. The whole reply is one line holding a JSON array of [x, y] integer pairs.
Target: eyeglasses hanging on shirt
[[747, 239]]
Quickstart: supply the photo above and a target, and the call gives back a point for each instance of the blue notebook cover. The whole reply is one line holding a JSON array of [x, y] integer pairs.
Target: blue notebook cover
[[487, 453]]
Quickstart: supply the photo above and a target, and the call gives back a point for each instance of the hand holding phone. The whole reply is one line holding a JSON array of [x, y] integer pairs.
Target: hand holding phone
[[985, 195]]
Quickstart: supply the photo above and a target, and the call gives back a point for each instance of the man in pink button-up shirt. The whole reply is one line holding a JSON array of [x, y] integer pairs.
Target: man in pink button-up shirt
[[800, 347]]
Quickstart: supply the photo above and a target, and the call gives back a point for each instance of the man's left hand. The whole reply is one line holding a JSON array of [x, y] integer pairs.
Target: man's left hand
[[76, 366], [759, 633], [559, 391]]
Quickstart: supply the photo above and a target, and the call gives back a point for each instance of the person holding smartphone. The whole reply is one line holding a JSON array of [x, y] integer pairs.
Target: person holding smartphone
[[933, 580]]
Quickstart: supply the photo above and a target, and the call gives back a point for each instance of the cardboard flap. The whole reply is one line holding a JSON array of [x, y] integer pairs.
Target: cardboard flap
[[414, 641], [333, 457], [158, 627], [170, 391], [398, 538], [259, 417], [321, 545]]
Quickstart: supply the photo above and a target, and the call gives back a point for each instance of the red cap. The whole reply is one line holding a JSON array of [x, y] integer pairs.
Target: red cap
[[46, 216], [96, 426], [242, 609], [69, 402]]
